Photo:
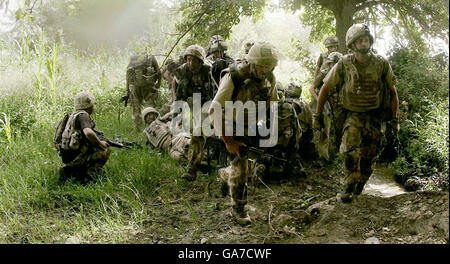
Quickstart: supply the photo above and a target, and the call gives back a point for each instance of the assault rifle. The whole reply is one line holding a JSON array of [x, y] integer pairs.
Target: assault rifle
[[294, 166], [117, 143]]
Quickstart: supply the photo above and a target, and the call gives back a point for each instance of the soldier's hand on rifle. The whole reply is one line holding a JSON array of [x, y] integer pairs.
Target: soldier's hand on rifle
[[318, 123], [104, 144], [232, 145]]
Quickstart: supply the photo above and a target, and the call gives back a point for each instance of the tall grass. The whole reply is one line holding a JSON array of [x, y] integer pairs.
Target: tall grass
[[34, 206]]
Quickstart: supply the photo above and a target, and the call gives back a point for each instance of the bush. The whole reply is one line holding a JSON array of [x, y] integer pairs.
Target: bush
[[422, 84]]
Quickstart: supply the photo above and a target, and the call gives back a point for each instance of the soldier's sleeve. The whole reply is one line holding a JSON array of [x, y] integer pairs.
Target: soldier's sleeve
[[334, 76], [388, 75], [83, 121]]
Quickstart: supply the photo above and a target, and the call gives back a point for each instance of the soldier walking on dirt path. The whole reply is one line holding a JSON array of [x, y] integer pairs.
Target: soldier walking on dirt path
[[251, 79], [369, 97], [194, 77]]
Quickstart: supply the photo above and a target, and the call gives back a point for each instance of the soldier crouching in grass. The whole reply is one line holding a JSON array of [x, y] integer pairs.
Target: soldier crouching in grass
[[81, 151]]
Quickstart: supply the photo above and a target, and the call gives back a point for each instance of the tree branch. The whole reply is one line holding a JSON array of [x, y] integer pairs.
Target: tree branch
[[189, 29]]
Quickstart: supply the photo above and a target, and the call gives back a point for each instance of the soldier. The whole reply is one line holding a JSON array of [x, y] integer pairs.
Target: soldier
[[333, 116], [247, 47], [159, 135], [143, 82], [194, 77], [303, 113], [369, 97], [82, 152], [218, 58], [332, 44], [251, 79]]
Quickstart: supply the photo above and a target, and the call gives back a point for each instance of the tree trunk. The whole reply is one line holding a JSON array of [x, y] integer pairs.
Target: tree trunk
[[343, 13]]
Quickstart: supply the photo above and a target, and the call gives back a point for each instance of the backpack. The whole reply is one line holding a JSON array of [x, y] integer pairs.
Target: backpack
[[66, 138], [57, 138]]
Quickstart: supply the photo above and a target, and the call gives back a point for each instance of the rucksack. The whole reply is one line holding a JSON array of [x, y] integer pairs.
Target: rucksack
[[57, 138], [66, 137]]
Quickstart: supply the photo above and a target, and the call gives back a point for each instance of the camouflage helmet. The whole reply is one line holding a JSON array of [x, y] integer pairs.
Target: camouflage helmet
[[264, 54], [83, 100], [334, 56], [218, 45], [331, 41], [356, 31], [196, 51], [149, 110], [293, 90]]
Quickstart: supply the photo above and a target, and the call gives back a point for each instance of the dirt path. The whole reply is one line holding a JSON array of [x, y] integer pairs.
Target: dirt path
[[301, 211]]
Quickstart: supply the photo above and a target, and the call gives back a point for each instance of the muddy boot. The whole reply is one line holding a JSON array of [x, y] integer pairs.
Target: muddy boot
[[190, 175], [346, 196], [241, 215], [359, 188]]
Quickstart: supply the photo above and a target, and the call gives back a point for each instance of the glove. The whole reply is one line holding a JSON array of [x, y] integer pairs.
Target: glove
[[318, 123]]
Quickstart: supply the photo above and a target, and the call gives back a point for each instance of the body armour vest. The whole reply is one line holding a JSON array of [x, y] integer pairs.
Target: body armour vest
[[72, 137], [363, 86], [248, 89], [158, 134], [190, 83]]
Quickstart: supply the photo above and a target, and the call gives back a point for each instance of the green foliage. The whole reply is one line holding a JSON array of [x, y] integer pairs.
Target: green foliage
[[202, 19], [422, 84]]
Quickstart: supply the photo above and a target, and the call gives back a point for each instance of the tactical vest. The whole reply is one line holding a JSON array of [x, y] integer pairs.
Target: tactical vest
[[158, 134], [72, 138], [190, 83], [140, 70], [363, 88]]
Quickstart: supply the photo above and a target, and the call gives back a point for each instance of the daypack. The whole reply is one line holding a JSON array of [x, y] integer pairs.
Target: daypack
[[57, 138], [66, 137]]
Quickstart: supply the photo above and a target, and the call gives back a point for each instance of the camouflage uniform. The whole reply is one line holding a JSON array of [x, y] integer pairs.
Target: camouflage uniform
[[239, 84], [218, 64], [143, 82], [82, 158], [187, 83], [365, 96], [303, 112], [329, 43], [159, 135], [334, 117]]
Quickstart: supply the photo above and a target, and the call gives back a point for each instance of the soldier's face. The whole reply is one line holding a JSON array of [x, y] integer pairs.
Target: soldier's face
[[332, 49], [261, 72], [149, 118], [362, 43], [193, 63], [218, 54]]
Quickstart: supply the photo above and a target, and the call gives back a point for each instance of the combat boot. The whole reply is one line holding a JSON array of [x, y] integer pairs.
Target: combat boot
[[346, 196], [359, 188], [240, 214], [190, 175]]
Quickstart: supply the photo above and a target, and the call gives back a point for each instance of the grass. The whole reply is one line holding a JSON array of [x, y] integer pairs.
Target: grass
[[34, 207]]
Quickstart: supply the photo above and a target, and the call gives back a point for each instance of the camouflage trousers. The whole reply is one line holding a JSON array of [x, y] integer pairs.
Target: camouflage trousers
[[361, 142], [197, 144], [141, 97], [90, 160], [237, 175]]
